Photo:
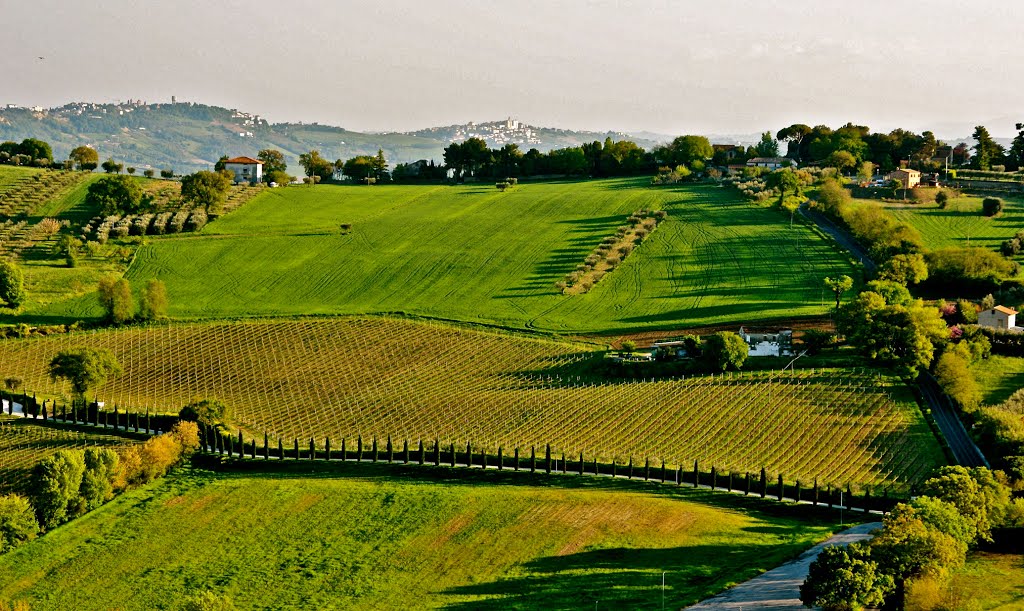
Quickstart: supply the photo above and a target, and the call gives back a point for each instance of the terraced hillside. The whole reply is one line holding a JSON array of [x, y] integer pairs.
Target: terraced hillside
[[382, 542], [24, 443], [475, 254], [412, 380]]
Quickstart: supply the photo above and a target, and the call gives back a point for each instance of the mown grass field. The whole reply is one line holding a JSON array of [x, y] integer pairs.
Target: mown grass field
[[340, 377], [24, 443], [993, 581], [472, 253], [358, 538], [961, 223], [999, 377]]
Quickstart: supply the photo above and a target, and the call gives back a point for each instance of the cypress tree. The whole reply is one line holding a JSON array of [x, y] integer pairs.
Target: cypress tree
[[714, 478], [696, 474], [280, 449], [327, 449], [422, 452], [469, 455], [517, 459], [95, 416], [679, 476], [295, 442], [391, 451], [746, 490], [149, 428], [312, 448], [596, 472], [241, 444], [782, 487], [564, 464], [582, 464], [252, 451], [615, 467], [63, 411], [405, 448], [764, 483], [501, 459], [116, 414], [44, 413], [228, 441], [374, 448], [828, 495], [547, 458], [344, 450], [815, 492], [359, 448], [453, 453], [437, 453], [533, 459], [483, 458], [730, 481], [797, 491], [664, 473], [266, 446], [867, 500], [631, 467], [647, 469]]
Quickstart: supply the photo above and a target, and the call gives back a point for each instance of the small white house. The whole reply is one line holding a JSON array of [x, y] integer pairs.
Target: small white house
[[769, 344], [245, 169], [772, 163], [999, 317]]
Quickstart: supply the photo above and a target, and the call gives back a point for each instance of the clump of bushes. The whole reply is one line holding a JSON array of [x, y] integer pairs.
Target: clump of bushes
[[992, 206]]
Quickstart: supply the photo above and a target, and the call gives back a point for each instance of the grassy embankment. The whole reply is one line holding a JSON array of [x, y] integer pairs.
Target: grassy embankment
[[355, 538]]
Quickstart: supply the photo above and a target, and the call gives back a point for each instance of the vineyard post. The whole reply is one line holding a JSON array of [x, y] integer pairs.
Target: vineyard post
[[764, 483], [782, 487], [280, 449], [327, 449], [295, 442], [391, 451], [453, 453], [547, 458], [405, 452], [533, 459], [696, 474], [312, 449], [517, 459], [374, 448], [423, 454], [359, 449]]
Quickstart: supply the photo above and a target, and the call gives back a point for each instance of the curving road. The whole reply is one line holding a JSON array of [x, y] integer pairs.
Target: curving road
[[779, 588]]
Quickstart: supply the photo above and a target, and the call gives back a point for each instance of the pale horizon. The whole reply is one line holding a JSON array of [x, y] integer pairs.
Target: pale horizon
[[601, 66]]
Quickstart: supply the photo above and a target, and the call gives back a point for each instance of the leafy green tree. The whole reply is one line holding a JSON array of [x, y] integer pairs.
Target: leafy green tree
[[902, 336], [221, 164], [17, 522], [115, 195], [167, 173], [148, 173], [12, 284], [906, 547], [98, 477], [112, 167], [841, 160], [992, 206], [85, 158], [767, 147], [833, 198], [153, 305], [986, 150], [976, 493], [905, 269], [938, 514], [1016, 152], [794, 135], [942, 198], [207, 189], [35, 149], [55, 486], [725, 349], [273, 161], [315, 165], [208, 412], [845, 578], [893, 293], [359, 168], [838, 286], [685, 150], [866, 172], [115, 296], [85, 368], [380, 165]]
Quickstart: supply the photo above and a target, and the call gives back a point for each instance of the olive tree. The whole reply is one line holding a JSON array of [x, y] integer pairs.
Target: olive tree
[[85, 368]]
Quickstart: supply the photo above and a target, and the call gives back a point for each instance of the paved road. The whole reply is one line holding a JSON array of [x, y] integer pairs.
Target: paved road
[[780, 588], [964, 450], [840, 235]]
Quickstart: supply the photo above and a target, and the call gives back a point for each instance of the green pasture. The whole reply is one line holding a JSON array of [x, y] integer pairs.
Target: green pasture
[[472, 253], [961, 223], [999, 377], [355, 537]]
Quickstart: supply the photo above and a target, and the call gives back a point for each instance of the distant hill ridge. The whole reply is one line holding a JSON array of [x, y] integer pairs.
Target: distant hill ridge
[[186, 136]]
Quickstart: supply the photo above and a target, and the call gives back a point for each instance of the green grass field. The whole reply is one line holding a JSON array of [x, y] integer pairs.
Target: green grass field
[[415, 380], [999, 377], [23, 443], [961, 222], [993, 581], [472, 253], [360, 538]]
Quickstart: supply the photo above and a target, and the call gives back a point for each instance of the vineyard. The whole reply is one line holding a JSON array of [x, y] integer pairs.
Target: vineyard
[[412, 380], [24, 443]]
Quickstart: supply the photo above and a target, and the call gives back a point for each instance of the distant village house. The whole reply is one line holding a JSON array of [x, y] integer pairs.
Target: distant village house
[[772, 163], [778, 343], [909, 178], [245, 169]]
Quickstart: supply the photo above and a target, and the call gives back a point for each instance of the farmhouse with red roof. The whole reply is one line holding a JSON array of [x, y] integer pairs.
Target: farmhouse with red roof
[[245, 169]]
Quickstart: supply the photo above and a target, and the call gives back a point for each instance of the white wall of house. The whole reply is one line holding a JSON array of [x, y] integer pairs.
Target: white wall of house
[[996, 319], [245, 172]]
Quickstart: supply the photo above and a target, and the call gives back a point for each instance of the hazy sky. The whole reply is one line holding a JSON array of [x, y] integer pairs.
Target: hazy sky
[[669, 67]]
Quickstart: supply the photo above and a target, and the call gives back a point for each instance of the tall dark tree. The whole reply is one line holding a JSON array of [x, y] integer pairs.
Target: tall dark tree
[[987, 151]]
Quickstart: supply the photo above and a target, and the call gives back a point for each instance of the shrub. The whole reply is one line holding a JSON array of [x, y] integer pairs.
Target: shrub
[[167, 173], [148, 173], [160, 222], [992, 206], [12, 284], [17, 522], [56, 482], [177, 222], [153, 305], [725, 349], [942, 198], [98, 478], [140, 224], [196, 220], [845, 578]]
